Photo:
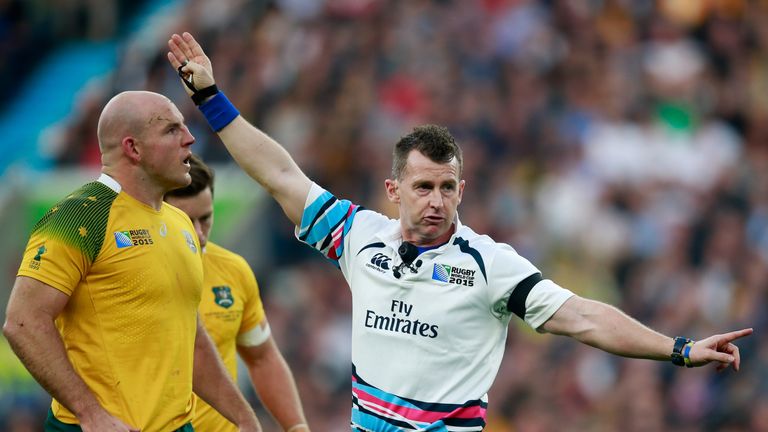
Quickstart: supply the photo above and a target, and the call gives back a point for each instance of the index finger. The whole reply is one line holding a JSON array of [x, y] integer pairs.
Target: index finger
[[732, 336]]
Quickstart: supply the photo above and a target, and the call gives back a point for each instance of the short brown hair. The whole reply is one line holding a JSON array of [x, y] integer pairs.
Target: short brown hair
[[202, 177], [434, 142]]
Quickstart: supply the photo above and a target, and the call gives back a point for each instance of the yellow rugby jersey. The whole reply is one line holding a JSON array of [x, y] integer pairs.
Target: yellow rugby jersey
[[134, 277], [230, 306]]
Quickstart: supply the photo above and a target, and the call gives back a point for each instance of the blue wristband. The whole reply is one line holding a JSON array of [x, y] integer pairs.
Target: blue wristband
[[219, 111]]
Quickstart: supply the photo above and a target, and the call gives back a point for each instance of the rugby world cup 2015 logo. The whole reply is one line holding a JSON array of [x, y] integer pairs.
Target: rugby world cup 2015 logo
[[222, 295], [134, 237], [123, 239], [454, 275], [441, 272]]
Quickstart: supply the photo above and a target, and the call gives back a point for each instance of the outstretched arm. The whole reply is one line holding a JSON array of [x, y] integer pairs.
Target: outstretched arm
[[260, 156], [605, 327], [30, 330], [274, 384], [212, 383]]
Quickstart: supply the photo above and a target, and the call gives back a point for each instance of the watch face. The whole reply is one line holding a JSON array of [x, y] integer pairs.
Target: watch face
[[677, 355], [677, 359]]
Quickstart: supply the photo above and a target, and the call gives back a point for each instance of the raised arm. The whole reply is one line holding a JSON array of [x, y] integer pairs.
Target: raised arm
[[260, 156], [30, 330], [606, 327]]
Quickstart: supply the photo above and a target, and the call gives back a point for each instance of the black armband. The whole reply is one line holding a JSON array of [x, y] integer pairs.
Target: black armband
[[516, 302]]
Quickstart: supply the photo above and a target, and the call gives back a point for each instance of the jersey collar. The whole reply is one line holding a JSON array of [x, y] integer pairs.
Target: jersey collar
[[110, 182]]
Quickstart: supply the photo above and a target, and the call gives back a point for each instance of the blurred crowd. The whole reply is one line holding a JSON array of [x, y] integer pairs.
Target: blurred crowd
[[29, 29], [620, 145]]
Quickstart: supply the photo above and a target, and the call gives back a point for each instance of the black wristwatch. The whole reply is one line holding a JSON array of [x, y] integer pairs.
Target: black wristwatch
[[677, 350]]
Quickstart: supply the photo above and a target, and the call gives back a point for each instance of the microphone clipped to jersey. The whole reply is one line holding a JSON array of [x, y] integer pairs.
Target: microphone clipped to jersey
[[408, 252]]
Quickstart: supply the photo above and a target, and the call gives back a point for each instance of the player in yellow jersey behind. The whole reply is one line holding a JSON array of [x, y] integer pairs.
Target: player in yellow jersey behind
[[104, 309], [233, 314]]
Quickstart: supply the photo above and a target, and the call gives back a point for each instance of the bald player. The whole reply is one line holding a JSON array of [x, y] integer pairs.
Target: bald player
[[104, 309]]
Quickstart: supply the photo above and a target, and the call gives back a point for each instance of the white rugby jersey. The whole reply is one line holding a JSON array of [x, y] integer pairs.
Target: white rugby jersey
[[426, 347]]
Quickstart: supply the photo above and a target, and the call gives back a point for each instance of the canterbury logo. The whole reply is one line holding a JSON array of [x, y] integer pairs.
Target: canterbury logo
[[380, 260]]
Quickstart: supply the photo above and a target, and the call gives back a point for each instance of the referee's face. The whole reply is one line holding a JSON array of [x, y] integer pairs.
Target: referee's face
[[427, 196]]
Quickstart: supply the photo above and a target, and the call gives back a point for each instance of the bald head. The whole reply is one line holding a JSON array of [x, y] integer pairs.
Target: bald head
[[127, 114]]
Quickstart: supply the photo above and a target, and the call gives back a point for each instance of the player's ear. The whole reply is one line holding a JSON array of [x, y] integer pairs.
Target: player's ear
[[130, 149], [393, 191]]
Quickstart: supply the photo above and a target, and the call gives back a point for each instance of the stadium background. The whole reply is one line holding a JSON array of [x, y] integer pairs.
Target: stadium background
[[621, 145]]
